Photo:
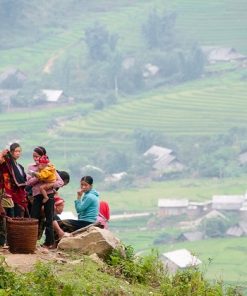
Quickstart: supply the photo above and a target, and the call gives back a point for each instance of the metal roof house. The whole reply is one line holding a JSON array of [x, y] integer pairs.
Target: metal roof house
[[172, 207], [52, 95], [228, 202], [179, 259]]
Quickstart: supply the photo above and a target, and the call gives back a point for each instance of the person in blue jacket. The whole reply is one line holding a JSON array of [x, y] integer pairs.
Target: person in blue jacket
[[86, 205]]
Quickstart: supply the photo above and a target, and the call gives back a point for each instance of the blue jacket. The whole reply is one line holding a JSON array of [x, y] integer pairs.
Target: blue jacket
[[87, 208]]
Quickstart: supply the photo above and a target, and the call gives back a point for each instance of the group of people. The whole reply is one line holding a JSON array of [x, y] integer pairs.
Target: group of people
[[34, 194]]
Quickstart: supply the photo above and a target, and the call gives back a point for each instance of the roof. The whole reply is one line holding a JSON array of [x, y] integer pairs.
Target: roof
[[6, 94], [172, 203], [164, 161], [182, 258], [235, 231], [238, 229], [213, 214], [200, 203], [215, 53], [116, 177], [52, 95], [12, 72], [192, 236], [227, 202], [157, 151], [243, 158]]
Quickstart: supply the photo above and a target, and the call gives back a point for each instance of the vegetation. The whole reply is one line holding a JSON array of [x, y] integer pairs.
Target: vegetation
[[122, 275]]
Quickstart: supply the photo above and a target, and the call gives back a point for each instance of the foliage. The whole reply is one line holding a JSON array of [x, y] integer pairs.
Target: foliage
[[150, 270], [100, 42], [215, 227], [41, 282], [159, 30]]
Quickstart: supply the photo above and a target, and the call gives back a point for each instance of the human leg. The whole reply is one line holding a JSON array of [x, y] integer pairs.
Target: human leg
[[49, 213], [2, 230], [71, 225], [43, 189]]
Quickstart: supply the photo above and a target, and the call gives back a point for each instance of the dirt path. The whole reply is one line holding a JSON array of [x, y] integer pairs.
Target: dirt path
[[48, 66], [26, 262]]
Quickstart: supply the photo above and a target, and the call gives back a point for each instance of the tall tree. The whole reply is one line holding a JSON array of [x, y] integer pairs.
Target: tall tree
[[159, 30], [100, 42]]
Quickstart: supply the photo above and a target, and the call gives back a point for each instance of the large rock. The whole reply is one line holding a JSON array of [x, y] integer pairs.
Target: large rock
[[92, 240]]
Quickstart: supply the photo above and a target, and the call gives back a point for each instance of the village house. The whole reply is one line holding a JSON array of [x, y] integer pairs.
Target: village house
[[172, 207], [176, 207], [179, 260], [227, 202], [240, 229], [243, 211], [198, 209], [190, 236], [222, 54], [12, 79], [164, 160], [52, 95]]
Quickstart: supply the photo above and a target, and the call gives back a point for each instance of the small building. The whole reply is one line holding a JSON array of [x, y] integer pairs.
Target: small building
[[6, 96], [227, 202], [197, 209], [243, 211], [164, 160], [214, 214], [222, 54], [52, 95], [242, 158], [190, 236], [172, 207], [240, 229], [179, 260], [12, 79], [116, 177]]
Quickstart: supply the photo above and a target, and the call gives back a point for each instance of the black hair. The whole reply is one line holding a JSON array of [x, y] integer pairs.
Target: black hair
[[40, 150], [13, 146], [87, 179], [64, 176]]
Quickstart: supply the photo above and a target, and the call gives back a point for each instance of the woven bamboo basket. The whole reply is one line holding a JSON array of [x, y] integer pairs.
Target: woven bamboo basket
[[22, 234]]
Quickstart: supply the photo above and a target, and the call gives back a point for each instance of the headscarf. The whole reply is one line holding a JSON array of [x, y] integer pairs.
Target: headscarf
[[104, 210]]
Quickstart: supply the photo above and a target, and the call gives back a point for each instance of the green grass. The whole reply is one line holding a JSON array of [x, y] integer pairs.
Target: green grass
[[220, 23], [228, 256]]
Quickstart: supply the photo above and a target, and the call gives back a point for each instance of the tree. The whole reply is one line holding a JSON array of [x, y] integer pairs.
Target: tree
[[100, 42], [159, 31]]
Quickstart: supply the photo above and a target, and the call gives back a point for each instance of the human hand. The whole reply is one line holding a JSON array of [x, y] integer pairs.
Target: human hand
[[79, 193], [32, 173]]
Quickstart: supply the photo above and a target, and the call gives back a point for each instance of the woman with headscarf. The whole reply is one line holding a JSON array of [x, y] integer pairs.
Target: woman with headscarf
[[35, 183], [13, 182], [13, 201], [104, 214]]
